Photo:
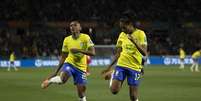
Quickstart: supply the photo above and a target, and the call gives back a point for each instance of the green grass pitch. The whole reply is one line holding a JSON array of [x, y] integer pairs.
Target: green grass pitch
[[160, 83]]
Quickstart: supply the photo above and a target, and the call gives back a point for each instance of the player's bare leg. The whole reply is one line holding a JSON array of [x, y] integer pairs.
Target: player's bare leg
[[196, 68], [88, 72], [133, 91], [181, 64], [191, 68], [81, 89], [8, 68], [13, 65], [16, 69], [10, 65], [116, 86], [61, 79]]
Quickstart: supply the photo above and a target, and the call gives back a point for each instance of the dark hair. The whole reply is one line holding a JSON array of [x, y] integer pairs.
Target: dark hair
[[128, 17], [125, 20], [75, 20]]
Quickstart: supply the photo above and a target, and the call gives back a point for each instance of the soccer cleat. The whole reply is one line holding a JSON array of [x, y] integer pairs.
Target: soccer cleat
[[45, 84]]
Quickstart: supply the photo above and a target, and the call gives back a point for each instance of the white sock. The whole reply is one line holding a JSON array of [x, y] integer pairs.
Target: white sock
[[110, 83], [83, 99], [56, 79], [137, 100]]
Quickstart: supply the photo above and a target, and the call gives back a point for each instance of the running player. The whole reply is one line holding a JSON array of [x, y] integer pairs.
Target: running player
[[131, 47], [12, 61], [182, 56], [73, 60], [195, 58]]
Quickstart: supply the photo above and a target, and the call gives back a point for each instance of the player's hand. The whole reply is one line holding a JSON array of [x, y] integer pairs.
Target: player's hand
[[142, 71], [106, 74], [75, 50], [105, 71]]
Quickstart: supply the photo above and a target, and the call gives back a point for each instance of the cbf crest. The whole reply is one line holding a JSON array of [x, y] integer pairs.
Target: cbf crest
[[83, 45]]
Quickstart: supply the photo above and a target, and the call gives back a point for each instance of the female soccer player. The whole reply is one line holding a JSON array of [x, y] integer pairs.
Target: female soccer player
[[131, 47], [196, 55], [73, 60], [182, 56], [12, 61]]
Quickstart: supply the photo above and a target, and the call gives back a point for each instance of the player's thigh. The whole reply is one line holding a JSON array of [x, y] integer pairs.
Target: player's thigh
[[66, 72], [133, 77], [64, 76], [118, 77], [79, 77]]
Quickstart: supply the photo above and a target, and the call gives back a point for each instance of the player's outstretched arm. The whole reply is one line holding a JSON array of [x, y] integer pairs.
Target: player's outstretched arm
[[90, 51], [142, 48], [61, 62], [109, 68]]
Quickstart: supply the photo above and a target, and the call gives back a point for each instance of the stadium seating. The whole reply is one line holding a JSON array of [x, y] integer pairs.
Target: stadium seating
[[168, 24]]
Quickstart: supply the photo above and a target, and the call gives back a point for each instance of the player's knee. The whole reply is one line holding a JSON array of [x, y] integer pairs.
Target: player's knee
[[114, 91], [64, 77], [63, 80]]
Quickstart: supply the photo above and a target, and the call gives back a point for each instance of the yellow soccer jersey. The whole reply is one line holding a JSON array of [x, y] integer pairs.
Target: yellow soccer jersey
[[196, 54], [182, 54], [130, 57], [78, 60], [12, 57]]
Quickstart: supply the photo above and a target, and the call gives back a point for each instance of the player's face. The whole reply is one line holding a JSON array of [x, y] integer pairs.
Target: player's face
[[125, 27], [75, 27]]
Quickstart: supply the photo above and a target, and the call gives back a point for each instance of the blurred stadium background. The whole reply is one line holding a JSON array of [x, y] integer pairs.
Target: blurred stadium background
[[35, 31]]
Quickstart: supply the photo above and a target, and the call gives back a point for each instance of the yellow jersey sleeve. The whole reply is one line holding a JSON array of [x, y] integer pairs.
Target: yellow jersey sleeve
[[119, 41], [142, 38], [65, 45], [89, 41]]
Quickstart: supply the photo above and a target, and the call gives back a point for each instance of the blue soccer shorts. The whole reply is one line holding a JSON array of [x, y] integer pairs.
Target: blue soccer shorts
[[133, 77], [79, 76], [195, 60]]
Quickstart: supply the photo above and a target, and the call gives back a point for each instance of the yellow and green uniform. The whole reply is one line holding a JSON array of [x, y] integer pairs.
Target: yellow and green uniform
[[12, 57], [182, 54], [78, 60], [196, 54], [130, 56]]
